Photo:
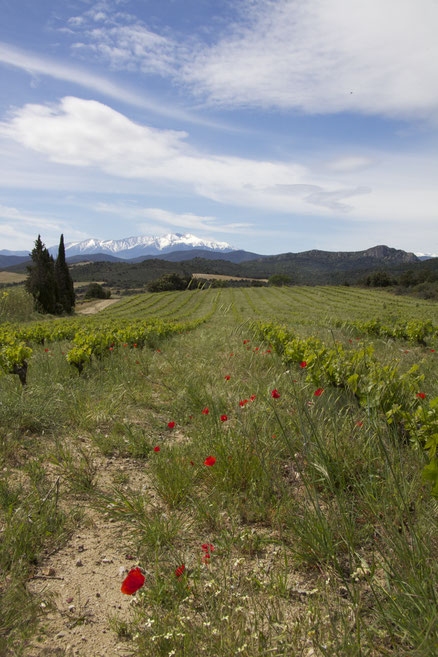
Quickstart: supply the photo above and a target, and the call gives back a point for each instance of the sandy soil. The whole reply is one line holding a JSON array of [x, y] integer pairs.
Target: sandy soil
[[94, 307]]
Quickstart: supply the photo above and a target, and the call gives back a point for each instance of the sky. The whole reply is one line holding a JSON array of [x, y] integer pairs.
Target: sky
[[273, 125]]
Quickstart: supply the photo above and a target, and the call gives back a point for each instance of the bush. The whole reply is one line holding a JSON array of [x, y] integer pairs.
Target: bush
[[96, 291], [279, 280], [169, 282]]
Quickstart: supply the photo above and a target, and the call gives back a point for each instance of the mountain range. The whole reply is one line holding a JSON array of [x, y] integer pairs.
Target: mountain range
[[140, 259]]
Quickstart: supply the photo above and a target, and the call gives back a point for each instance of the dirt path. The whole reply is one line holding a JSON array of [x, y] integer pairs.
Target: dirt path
[[81, 581], [95, 306]]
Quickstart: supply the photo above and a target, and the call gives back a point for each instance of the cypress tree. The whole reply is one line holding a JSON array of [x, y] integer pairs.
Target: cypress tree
[[65, 290], [40, 280]]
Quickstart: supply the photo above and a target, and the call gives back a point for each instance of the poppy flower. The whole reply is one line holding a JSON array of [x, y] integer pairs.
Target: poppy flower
[[256, 349], [350, 341], [275, 394], [133, 581], [171, 425], [159, 350], [243, 402], [207, 547], [205, 411], [156, 449], [318, 392], [224, 418], [359, 424], [432, 349], [46, 350], [125, 345], [421, 395], [252, 398], [135, 344], [227, 378], [191, 463], [303, 363], [210, 460], [111, 349], [179, 571], [137, 362], [245, 341]]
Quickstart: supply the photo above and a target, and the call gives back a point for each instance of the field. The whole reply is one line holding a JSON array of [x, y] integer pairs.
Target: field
[[265, 456]]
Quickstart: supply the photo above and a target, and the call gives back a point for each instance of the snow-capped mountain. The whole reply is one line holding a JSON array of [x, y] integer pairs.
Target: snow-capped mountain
[[132, 247]]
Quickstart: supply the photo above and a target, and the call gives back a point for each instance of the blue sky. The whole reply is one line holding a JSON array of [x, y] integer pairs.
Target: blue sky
[[274, 125]]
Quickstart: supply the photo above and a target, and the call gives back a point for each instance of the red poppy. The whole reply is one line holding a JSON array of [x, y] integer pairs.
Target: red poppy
[[156, 449], [133, 581], [224, 418], [137, 362], [421, 395], [46, 350], [125, 345], [179, 571], [111, 349], [171, 425], [256, 349], [303, 363], [268, 351], [207, 547], [275, 394], [359, 424], [135, 344], [243, 402], [350, 340], [227, 377], [210, 460], [318, 392], [205, 411], [231, 354], [432, 349], [252, 398], [245, 341], [191, 463], [159, 350]]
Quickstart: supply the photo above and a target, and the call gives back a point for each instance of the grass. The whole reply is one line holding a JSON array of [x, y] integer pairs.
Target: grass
[[324, 536]]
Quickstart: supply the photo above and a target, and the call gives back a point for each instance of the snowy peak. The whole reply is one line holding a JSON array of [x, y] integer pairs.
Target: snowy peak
[[133, 247]]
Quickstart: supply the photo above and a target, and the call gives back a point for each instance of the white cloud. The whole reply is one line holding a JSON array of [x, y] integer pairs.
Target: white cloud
[[86, 133], [315, 56], [325, 56], [34, 64], [103, 149], [19, 227], [186, 220], [350, 163]]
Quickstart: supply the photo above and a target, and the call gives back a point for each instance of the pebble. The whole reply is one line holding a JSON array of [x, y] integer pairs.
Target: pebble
[[81, 548], [79, 563], [105, 560]]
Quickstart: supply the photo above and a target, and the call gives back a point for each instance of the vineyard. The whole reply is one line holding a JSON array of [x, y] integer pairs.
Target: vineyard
[[260, 462]]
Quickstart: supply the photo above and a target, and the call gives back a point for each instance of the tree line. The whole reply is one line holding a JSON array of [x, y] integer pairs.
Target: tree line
[[49, 281]]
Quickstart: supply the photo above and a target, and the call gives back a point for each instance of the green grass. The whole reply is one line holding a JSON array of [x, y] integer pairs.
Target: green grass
[[324, 536]]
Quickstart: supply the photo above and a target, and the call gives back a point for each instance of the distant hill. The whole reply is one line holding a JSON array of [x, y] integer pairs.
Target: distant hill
[[308, 267], [179, 256]]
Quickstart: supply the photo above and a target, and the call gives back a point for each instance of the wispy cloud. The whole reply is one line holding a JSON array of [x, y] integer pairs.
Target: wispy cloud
[[315, 56], [326, 56], [161, 217], [21, 227], [35, 64], [89, 134]]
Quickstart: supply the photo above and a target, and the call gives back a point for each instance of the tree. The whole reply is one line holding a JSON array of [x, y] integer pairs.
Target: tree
[[64, 284], [96, 291], [40, 281], [279, 280]]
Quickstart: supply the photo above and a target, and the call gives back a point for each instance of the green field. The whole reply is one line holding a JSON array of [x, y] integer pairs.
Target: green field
[[311, 531]]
